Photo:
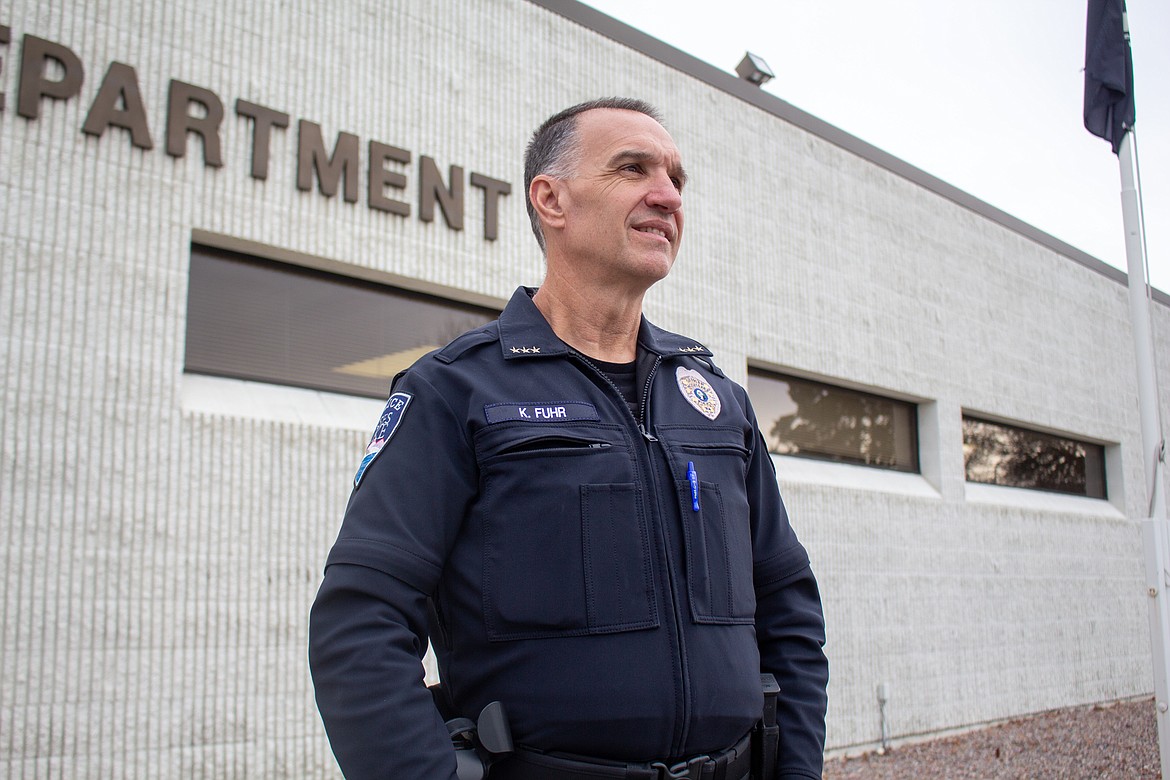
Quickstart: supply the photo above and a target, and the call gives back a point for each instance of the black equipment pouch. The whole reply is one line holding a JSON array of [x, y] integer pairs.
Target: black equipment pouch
[[766, 734], [479, 743]]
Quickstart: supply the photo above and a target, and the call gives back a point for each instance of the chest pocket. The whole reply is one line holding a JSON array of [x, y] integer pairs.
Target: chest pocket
[[717, 536], [566, 546]]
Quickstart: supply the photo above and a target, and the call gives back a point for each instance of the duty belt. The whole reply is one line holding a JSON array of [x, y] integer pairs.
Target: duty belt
[[525, 764]]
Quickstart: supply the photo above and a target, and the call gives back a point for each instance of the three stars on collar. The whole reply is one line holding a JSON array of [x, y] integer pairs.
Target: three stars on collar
[[536, 350]]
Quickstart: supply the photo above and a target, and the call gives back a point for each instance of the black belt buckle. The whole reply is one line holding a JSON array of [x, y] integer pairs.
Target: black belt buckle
[[683, 770]]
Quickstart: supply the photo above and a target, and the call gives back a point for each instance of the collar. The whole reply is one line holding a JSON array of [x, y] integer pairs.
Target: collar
[[525, 333]]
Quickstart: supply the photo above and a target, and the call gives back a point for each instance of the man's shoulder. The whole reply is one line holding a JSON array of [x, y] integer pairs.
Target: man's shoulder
[[669, 344], [468, 343], [461, 365], [474, 345]]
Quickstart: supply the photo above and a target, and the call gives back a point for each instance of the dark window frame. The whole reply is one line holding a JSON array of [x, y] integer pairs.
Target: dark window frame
[[1094, 482], [310, 328], [904, 413]]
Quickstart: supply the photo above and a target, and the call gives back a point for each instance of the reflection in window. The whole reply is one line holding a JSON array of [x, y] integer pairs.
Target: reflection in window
[[272, 322], [812, 419], [997, 454]]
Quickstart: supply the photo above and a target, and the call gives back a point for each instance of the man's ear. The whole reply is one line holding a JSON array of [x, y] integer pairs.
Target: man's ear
[[546, 194]]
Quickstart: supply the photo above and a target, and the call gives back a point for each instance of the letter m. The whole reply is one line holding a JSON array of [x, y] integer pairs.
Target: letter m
[[329, 169]]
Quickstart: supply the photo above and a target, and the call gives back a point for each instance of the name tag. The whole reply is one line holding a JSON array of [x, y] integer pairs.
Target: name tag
[[559, 411]]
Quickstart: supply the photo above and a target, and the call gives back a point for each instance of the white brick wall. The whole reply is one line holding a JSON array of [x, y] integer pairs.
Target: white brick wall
[[159, 560]]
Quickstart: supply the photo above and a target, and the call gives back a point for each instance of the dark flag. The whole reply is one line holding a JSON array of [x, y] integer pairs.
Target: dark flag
[[1109, 110]]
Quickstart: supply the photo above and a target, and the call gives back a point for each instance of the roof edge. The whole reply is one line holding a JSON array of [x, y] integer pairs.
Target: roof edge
[[731, 84]]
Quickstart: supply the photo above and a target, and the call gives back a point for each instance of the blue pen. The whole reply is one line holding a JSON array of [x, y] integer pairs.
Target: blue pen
[[693, 478]]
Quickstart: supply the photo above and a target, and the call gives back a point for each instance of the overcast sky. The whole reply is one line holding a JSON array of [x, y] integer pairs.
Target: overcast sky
[[986, 95]]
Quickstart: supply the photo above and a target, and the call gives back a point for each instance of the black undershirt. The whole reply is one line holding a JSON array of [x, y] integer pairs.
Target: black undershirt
[[625, 377]]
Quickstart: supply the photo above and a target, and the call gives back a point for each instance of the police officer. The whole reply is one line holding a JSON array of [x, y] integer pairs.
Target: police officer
[[579, 511]]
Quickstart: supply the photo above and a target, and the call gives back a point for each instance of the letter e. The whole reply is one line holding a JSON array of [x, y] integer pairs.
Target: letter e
[[34, 85], [380, 178]]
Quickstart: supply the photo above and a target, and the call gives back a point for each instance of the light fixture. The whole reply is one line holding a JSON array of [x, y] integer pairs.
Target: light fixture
[[752, 68]]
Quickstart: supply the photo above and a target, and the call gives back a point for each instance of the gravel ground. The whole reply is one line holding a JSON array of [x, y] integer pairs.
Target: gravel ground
[[1098, 742]]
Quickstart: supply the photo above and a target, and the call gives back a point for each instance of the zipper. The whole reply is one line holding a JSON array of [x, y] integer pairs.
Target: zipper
[[646, 400], [681, 727], [550, 444]]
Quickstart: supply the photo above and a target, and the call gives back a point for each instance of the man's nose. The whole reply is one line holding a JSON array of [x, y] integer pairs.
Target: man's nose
[[664, 194]]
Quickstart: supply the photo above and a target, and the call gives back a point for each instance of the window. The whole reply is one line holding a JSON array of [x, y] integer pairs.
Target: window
[[288, 325], [998, 454], [812, 419]]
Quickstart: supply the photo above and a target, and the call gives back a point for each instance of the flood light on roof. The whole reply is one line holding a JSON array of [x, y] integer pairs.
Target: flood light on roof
[[752, 68]]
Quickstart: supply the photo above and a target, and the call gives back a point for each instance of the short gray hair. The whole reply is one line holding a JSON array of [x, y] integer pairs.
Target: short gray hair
[[554, 149]]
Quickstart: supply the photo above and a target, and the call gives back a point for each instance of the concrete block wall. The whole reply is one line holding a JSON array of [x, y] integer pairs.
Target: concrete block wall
[[160, 556]]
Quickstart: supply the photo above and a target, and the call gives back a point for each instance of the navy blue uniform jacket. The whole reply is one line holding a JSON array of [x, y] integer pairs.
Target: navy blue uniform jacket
[[572, 578]]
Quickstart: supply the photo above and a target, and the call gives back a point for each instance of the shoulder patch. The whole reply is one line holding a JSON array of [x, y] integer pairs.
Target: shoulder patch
[[387, 425]]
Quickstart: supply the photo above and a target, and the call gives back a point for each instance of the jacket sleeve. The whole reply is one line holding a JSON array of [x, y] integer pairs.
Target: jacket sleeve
[[367, 627], [790, 625], [364, 651]]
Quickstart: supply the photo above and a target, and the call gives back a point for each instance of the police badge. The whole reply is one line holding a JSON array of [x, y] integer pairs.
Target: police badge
[[698, 392]]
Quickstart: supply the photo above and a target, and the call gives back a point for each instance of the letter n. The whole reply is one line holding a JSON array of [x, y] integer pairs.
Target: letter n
[[431, 187]]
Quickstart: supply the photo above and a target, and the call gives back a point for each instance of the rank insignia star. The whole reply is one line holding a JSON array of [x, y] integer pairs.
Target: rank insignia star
[[525, 350], [695, 348]]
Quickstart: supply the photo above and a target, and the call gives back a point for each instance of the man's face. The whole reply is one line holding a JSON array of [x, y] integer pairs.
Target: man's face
[[623, 206]]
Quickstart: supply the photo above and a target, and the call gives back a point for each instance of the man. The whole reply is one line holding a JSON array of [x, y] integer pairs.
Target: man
[[579, 510]]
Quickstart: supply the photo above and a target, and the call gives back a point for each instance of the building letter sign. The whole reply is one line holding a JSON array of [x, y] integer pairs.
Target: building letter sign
[[51, 71]]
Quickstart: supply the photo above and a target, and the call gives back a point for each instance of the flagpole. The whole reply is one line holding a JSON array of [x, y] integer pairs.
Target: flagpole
[[1109, 113], [1155, 534]]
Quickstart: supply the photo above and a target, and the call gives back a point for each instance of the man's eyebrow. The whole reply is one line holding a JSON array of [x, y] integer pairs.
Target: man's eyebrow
[[641, 156]]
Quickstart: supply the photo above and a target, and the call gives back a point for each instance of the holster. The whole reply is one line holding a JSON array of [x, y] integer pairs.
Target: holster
[[766, 734], [478, 743]]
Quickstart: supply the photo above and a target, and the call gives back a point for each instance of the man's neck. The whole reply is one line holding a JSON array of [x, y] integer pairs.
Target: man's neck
[[600, 323]]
